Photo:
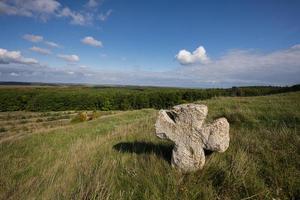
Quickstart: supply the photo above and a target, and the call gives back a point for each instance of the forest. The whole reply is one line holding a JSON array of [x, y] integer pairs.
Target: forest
[[58, 98]]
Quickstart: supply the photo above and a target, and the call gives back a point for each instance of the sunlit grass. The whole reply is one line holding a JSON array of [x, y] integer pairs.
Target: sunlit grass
[[119, 157]]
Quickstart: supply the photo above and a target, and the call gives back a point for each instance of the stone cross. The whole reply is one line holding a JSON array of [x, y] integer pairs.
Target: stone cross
[[185, 126]]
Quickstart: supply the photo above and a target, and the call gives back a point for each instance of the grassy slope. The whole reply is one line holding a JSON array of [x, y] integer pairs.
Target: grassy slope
[[18, 124], [119, 157]]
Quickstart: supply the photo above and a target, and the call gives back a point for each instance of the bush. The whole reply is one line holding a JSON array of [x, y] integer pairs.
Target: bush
[[86, 116]]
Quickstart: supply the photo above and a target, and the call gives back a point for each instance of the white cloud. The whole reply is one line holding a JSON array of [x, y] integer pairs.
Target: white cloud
[[76, 18], [91, 41], [88, 75], [234, 68], [52, 44], [248, 67], [14, 74], [104, 16], [33, 38], [83, 66], [7, 57], [8, 9], [297, 46], [40, 50], [69, 58], [94, 3], [46, 9], [30, 8], [198, 56], [38, 38], [43, 10]]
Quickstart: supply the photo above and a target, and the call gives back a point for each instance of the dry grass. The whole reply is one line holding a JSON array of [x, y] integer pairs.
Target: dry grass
[[119, 157], [15, 125]]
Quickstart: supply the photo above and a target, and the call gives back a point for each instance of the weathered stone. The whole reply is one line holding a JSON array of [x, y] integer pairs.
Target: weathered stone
[[185, 126]]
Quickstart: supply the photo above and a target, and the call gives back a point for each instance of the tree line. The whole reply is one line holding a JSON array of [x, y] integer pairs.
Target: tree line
[[57, 98]]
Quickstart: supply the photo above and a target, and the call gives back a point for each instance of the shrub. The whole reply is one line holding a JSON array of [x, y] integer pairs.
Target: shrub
[[81, 117]]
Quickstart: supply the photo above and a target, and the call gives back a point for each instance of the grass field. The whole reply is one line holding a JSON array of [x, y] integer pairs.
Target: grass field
[[118, 156]]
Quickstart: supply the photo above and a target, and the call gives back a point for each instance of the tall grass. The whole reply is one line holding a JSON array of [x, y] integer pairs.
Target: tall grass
[[119, 157]]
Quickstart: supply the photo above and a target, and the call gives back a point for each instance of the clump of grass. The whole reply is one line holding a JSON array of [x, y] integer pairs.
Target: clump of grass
[[2, 130], [81, 117], [52, 118], [23, 122], [25, 128], [39, 120], [87, 116], [95, 114], [235, 117], [45, 114]]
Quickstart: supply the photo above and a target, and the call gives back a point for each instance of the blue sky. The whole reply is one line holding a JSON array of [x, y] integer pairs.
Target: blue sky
[[158, 42]]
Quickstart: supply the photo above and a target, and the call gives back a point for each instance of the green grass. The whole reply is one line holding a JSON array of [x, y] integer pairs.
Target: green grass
[[119, 157]]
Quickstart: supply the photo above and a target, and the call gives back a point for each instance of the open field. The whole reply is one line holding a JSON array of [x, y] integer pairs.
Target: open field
[[119, 157], [18, 124]]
